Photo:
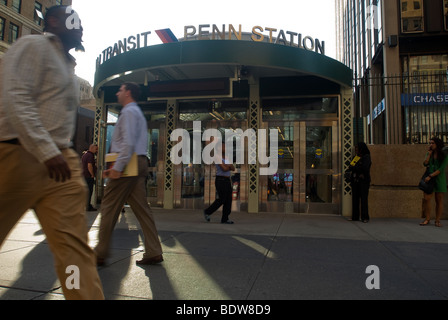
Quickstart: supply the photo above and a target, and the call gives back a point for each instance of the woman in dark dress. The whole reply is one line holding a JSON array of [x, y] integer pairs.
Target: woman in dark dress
[[361, 183]]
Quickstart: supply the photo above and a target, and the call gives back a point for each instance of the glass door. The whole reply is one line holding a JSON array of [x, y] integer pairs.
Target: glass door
[[319, 167], [308, 177], [279, 192], [156, 158], [195, 183], [190, 177]]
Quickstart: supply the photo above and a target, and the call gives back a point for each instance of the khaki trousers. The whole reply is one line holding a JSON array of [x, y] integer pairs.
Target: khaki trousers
[[133, 191], [60, 208]]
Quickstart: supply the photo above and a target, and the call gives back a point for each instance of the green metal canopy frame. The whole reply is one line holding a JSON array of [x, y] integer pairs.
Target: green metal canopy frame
[[224, 52]]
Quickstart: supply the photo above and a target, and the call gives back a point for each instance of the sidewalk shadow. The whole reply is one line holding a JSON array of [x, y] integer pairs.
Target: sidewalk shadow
[[37, 273], [160, 284], [118, 275]]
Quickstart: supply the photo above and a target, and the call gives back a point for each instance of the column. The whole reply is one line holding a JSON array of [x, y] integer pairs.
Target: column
[[99, 137], [254, 116], [171, 115], [347, 147]]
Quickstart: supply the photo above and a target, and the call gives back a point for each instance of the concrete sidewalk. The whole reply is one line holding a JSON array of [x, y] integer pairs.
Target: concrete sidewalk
[[261, 257]]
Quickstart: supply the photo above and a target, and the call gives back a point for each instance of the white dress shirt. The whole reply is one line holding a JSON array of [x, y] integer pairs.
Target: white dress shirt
[[130, 135]]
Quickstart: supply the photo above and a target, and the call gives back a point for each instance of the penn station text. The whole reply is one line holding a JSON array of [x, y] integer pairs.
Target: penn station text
[[218, 32]]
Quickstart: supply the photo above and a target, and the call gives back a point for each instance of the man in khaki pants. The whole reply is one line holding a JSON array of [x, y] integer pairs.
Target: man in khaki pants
[[38, 169], [130, 137]]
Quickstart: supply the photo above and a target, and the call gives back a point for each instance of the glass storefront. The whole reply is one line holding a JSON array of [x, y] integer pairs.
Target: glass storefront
[[425, 88], [307, 152]]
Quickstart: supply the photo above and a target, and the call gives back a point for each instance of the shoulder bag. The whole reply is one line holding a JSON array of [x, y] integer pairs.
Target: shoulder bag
[[427, 187]]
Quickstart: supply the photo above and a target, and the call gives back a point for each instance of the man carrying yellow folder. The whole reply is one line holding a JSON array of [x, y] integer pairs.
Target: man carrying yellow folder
[[129, 142]]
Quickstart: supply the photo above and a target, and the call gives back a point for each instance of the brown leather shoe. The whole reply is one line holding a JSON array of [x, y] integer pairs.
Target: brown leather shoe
[[150, 261]]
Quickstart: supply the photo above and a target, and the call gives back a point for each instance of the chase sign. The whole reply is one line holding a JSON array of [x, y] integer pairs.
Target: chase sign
[[424, 99]]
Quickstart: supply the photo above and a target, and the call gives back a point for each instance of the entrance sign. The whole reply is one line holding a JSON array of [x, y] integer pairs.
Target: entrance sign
[[215, 32], [130, 43], [259, 34]]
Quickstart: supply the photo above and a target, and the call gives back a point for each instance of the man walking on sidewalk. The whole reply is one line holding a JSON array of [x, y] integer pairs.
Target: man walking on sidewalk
[[223, 186], [130, 136], [39, 170]]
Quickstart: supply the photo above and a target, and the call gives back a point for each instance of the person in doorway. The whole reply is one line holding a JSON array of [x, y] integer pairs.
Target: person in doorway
[[39, 170], [437, 161], [130, 136], [360, 182], [89, 171], [223, 187]]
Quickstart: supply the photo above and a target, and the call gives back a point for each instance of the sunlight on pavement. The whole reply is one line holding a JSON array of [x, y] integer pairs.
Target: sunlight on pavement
[[192, 272], [257, 247]]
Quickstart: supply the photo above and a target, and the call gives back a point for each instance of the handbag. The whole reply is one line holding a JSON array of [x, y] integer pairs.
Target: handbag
[[427, 187]]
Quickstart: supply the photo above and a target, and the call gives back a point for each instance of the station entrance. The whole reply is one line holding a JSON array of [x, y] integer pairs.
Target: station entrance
[[303, 96]]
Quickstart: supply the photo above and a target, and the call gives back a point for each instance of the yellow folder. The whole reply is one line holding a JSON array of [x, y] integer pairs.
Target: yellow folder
[[131, 169], [354, 161]]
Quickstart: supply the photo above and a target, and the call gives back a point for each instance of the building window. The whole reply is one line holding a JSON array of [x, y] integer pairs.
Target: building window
[[412, 16], [425, 74], [13, 33], [376, 26], [5, 2], [58, 2], [38, 16], [17, 5], [445, 13], [428, 63], [2, 29]]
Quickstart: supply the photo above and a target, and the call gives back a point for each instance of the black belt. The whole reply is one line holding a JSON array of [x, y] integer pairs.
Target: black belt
[[222, 177], [12, 141]]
